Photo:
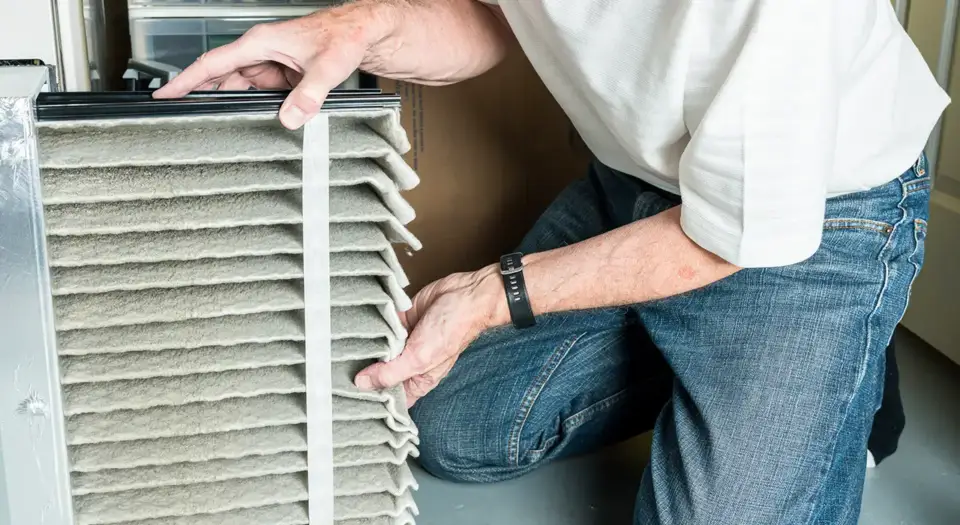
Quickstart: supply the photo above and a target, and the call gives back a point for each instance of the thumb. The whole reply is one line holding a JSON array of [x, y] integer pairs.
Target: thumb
[[379, 376], [421, 385], [325, 72]]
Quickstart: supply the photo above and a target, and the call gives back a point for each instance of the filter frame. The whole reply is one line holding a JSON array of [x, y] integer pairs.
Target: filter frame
[[141, 104]]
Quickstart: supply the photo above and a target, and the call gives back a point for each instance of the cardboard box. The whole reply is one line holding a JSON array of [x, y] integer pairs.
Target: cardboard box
[[492, 153]]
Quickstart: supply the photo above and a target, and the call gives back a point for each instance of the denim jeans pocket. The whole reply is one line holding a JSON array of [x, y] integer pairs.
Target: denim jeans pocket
[[851, 239], [857, 224]]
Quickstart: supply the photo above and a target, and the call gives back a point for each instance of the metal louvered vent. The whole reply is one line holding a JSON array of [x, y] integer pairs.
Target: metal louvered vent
[[178, 252]]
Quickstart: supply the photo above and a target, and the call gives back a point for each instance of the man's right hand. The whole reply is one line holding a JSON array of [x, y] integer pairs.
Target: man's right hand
[[311, 55], [430, 42]]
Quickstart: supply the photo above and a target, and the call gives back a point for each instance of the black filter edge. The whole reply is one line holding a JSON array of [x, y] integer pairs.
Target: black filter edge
[[140, 104]]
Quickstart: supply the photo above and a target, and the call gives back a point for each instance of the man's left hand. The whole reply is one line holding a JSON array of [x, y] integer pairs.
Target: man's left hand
[[446, 316]]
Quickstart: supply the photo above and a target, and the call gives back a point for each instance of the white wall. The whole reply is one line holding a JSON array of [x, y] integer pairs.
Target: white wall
[[26, 30]]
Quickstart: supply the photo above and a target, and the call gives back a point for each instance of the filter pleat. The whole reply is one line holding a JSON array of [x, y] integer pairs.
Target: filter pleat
[[360, 204], [395, 480], [373, 454], [132, 183], [87, 311], [379, 505], [192, 333], [361, 264], [185, 213], [360, 172], [369, 433], [404, 518], [107, 481], [185, 500], [94, 368], [350, 409], [174, 245], [170, 144], [175, 274], [289, 514], [139, 394], [359, 349], [186, 420], [181, 449]]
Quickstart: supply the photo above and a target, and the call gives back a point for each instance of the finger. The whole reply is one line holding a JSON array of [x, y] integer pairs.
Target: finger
[[268, 76], [421, 302], [434, 339], [210, 86], [292, 76], [410, 317], [413, 315], [305, 101], [324, 73], [418, 386], [234, 82], [379, 376], [247, 50]]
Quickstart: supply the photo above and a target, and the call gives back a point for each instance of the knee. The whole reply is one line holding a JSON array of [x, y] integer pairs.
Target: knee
[[460, 444], [443, 461]]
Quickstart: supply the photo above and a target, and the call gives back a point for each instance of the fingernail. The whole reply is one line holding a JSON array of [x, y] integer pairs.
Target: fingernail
[[292, 117], [363, 382]]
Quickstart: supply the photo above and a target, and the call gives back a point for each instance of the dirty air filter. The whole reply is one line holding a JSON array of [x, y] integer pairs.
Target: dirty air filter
[[190, 297]]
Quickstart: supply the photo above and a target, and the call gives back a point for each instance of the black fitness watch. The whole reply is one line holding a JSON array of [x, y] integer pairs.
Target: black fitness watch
[[511, 269]]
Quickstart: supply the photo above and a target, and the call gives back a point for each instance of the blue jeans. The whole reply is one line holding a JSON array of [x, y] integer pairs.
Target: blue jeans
[[760, 388]]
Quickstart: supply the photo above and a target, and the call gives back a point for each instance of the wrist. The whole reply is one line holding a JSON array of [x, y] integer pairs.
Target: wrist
[[492, 297], [372, 21]]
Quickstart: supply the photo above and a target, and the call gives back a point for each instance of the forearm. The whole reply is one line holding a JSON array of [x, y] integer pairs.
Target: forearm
[[643, 261], [433, 42]]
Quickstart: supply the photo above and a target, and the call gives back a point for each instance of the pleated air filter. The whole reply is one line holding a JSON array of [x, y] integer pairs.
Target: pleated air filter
[[215, 283]]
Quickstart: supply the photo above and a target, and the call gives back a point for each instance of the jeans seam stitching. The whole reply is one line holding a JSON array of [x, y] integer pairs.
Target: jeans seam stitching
[[878, 303], [857, 224], [857, 228], [919, 225], [546, 444], [533, 392], [912, 184], [577, 420]]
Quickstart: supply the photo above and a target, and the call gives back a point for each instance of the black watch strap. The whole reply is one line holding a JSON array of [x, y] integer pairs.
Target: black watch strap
[[511, 269]]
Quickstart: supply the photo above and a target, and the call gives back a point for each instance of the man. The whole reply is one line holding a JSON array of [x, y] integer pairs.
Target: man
[[739, 254]]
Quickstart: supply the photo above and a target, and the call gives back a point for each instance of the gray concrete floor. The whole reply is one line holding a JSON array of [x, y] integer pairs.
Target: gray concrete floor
[[919, 485]]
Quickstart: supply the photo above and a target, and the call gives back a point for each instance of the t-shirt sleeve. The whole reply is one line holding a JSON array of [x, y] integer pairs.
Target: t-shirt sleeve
[[753, 175]]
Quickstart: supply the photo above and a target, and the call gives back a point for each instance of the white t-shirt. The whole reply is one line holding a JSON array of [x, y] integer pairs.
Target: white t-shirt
[[754, 111]]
